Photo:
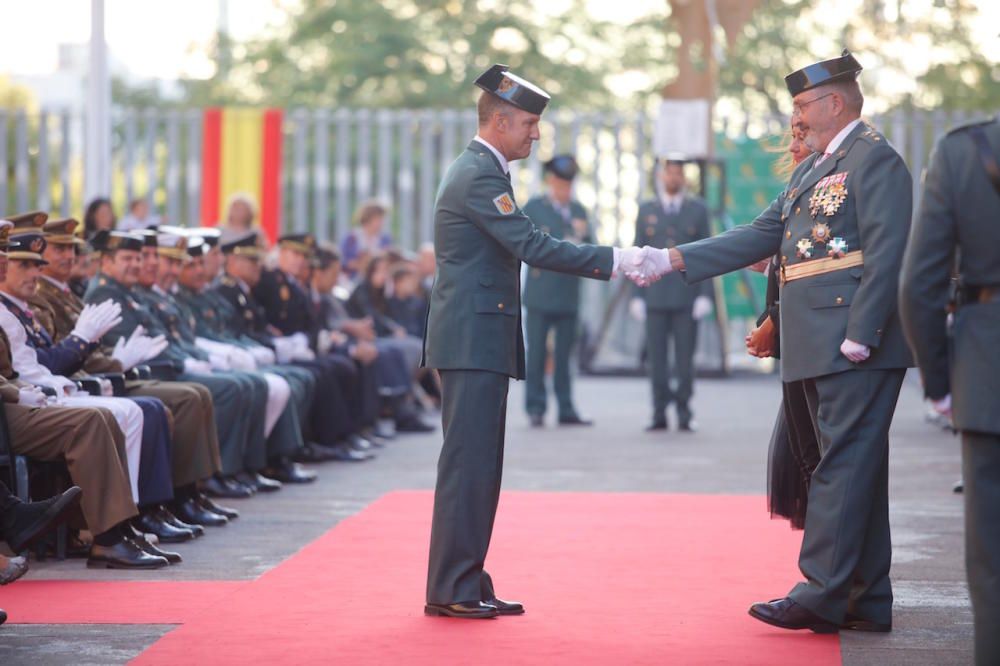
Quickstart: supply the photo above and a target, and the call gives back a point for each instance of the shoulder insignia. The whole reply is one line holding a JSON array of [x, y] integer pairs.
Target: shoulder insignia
[[504, 204]]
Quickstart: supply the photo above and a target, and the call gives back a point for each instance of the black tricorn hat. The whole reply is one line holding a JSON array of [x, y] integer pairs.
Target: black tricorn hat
[[513, 89], [562, 166], [109, 241], [844, 68]]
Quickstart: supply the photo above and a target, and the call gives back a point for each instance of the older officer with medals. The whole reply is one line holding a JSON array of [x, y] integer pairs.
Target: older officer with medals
[[474, 338], [959, 213], [841, 228], [552, 299]]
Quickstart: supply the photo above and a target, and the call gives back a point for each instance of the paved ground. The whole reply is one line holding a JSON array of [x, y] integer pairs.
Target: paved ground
[[727, 455]]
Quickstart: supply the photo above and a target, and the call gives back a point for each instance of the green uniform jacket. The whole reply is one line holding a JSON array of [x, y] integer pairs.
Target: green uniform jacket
[[480, 239], [550, 291], [859, 303], [653, 227], [959, 210]]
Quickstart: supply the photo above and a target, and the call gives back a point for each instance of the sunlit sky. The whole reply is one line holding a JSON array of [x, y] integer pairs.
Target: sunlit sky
[[167, 38]]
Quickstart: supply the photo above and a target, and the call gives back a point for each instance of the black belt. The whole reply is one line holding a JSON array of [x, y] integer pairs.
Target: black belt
[[985, 294]]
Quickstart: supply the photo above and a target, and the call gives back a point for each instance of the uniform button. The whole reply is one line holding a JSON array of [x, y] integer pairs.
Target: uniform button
[[499, 306], [788, 234], [797, 209], [878, 331], [597, 271], [840, 300]]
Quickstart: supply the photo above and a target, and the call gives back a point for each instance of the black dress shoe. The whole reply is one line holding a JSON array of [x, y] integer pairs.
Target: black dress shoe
[[506, 607], [856, 623], [537, 420], [3, 616], [573, 419], [123, 555], [787, 614], [193, 513], [287, 471], [150, 522], [167, 516], [216, 486], [413, 424], [236, 481], [148, 548], [260, 484], [345, 453], [358, 443], [469, 610], [688, 426], [205, 502], [26, 522], [657, 424]]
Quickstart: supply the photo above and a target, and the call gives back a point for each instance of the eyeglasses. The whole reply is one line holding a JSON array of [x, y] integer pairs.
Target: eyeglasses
[[797, 108]]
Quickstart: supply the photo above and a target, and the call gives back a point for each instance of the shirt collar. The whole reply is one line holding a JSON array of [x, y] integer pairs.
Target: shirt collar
[[666, 199], [504, 165], [16, 301], [835, 142], [61, 285]]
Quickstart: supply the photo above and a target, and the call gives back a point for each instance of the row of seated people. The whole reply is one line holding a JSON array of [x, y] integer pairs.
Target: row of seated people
[[186, 374]]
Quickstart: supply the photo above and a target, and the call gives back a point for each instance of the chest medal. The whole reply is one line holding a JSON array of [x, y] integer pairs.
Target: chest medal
[[804, 248], [828, 195]]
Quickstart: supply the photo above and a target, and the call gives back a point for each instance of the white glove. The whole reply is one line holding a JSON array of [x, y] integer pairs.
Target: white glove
[[219, 361], [942, 406], [31, 397], [241, 359], [284, 349], [262, 355], [637, 309], [107, 388], [304, 355], [627, 260], [197, 367], [96, 320], [702, 307], [647, 266], [854, 351]]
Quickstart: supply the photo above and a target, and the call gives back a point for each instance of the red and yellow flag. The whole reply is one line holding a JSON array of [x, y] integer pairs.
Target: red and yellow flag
[[241, 152]]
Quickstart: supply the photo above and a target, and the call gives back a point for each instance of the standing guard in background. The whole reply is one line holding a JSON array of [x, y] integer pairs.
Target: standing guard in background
[[552, 299], [960, 213], [671, 308]]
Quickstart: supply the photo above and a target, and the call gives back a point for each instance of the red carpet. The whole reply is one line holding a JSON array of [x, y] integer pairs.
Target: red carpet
[[606, 578]]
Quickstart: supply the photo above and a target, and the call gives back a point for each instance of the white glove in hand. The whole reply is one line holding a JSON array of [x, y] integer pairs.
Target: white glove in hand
[[31, 397], [637, 309], [942, 406], [702, 307], [197, 367], [262, 355], [96, 320], [132, 350], [284, 349], [647, 266], [107, 388], [219, 361], [854, 351], [241, 359]]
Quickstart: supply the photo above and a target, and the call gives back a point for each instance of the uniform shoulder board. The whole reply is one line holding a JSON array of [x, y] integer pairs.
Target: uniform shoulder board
[[974, 123]]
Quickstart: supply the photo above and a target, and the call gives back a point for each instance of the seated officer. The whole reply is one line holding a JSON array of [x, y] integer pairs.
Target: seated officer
[[91, 444], [196, 450], [239, 403]]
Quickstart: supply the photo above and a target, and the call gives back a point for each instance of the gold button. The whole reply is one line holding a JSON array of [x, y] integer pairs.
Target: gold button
[[788, 234], [840, 299], [797, 209], [499, 306], [597, 271]]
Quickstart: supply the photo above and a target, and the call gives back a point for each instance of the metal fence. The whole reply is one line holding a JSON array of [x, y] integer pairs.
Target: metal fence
[[334, 159]]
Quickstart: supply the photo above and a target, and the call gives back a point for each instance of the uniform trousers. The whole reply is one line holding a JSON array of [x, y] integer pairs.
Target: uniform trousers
[[239, 411], [474, 417], [981, 475], [129, 417], [156, 484], [679, 328], [91, 444], [846, 550], [537, 324]]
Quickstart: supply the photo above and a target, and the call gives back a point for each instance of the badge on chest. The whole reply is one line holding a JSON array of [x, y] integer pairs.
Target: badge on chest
[[828, 195]]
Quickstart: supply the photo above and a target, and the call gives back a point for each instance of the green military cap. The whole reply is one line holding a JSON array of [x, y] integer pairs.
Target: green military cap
[[110, 241], [244, 245], [27, 246], [62, 232], [509, 87], [5, 227], [171, 245], [562, 166], [27, 222], [304, 243], [844, 68]]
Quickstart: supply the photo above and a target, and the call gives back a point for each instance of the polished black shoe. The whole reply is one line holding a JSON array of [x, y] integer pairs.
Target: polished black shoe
[[3, 616], [506, 607], [375, 440], [287, 471], [217, 486], [469, 610], [787, 614], [573, 419], [537, 420], [14, 569], [26, 522], [151, 522], [345, 453], [688, 426], [259, 483], [123, 555], [657, 424], [358, 443], [856, 623], [148, 548], [214, 507], [168, 516], [413, 424], [193, 513]]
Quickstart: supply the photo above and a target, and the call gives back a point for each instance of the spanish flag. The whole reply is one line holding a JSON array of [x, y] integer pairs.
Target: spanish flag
[[241, 152]]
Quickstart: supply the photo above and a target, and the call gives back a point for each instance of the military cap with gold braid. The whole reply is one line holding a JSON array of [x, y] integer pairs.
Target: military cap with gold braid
[[26, 241], [172, 246], [5, 227], [304, 243], [62, 232], [243, 245], [111, 241], [509, 87], [28, 222]]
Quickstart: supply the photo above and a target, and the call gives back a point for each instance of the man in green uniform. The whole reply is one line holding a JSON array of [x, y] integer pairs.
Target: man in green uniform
[[671, 308], [474, 333], [552, 299], [959, 213], [841, 228]]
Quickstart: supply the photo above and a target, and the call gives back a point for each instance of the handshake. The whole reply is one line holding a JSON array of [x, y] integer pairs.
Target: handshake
[[644, 265]]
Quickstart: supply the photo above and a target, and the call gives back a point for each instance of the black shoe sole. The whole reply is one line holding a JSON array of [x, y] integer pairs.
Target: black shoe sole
[[819, 628], [49, 518], [510, 612], [104, 564], [433, 611], [866, 627]]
